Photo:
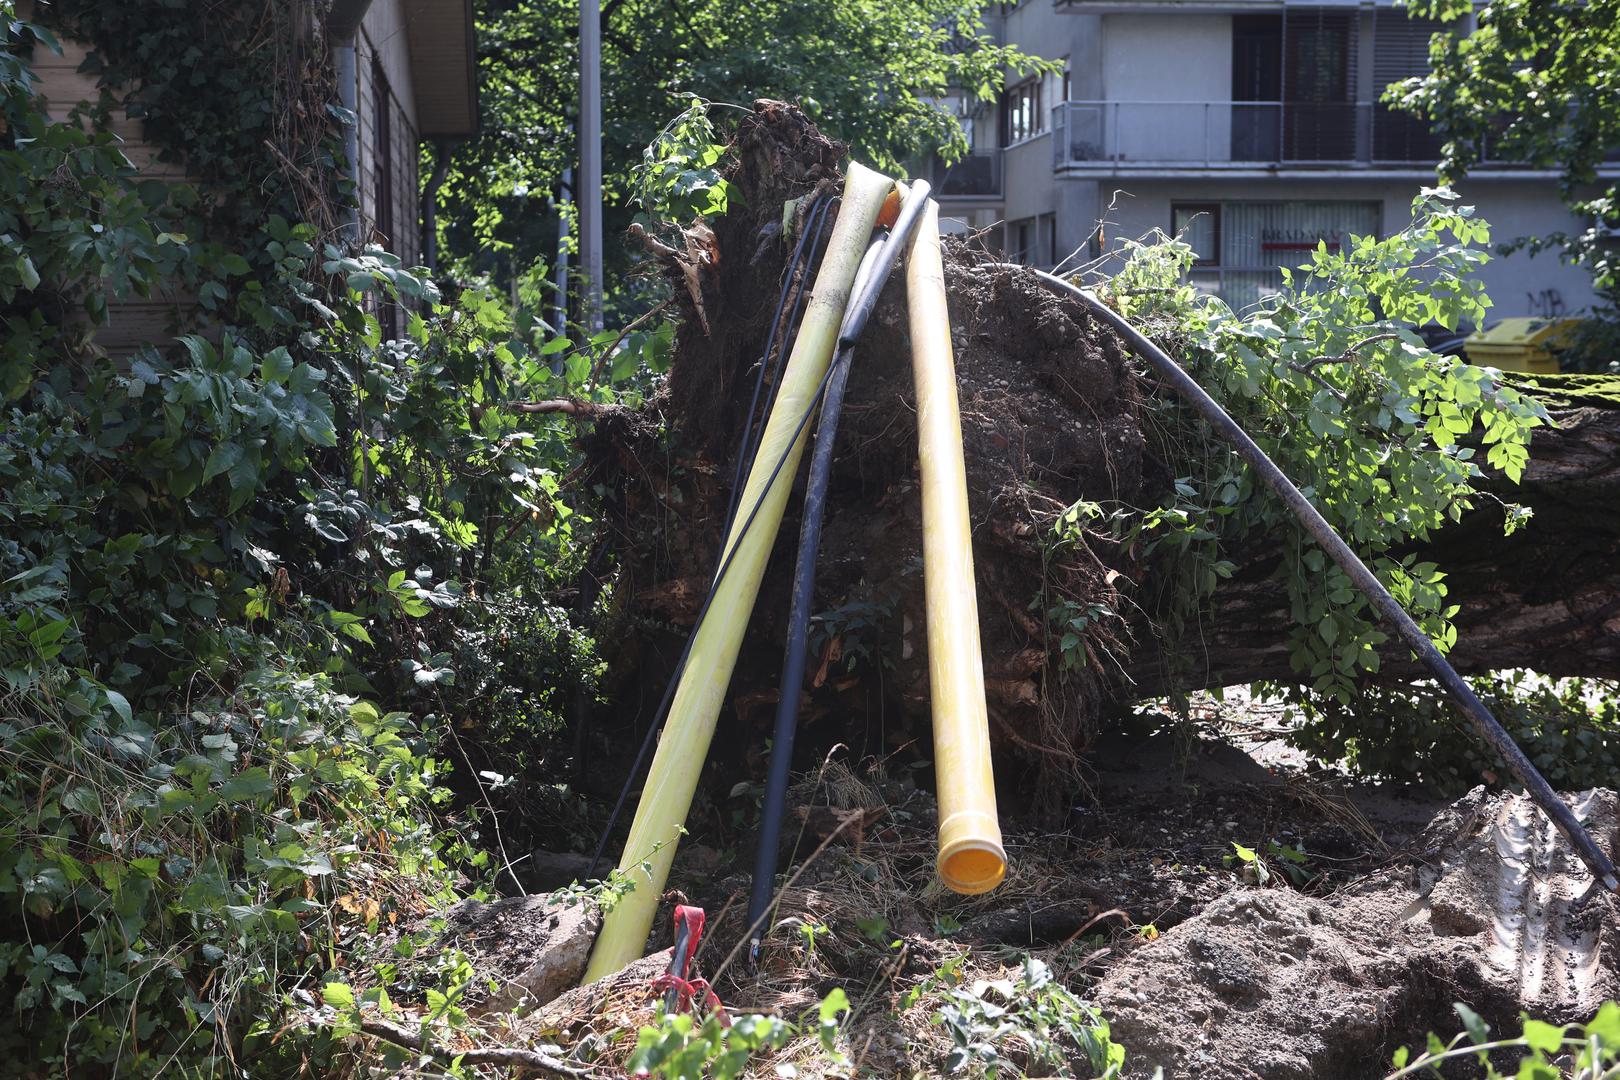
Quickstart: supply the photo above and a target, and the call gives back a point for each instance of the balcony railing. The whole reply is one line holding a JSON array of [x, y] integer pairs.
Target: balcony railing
[[1236, 134], [978, 175]]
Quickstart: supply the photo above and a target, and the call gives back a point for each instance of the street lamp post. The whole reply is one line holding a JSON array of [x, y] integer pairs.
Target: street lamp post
[[590, 158]]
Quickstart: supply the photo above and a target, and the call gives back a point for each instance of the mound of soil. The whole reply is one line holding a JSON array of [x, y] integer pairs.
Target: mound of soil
[[1403, 907], [1278, 984], [1051, 412]]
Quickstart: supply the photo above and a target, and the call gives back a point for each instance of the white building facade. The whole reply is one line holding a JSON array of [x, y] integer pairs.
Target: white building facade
[[1253, 128]]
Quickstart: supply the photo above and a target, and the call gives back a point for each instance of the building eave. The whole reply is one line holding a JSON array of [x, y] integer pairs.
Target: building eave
[[444, 67]]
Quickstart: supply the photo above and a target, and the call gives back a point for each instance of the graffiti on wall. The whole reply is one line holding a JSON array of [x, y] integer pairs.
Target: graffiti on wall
[[1546, 304]]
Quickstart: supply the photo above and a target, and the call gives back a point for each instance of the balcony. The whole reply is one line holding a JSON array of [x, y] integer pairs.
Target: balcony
[[1119, 137], [976, 176]]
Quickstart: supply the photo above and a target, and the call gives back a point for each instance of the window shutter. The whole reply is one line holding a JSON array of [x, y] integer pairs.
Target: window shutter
[[1401, 50]]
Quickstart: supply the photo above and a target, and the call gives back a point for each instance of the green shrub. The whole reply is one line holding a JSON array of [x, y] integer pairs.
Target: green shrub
[[1031, 1024], [1569, 728], [1589, 1051], [1330, 378], [175, 872], [240, 571]]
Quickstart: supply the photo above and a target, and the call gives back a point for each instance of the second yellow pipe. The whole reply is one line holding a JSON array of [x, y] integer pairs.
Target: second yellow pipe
[[971, 857]]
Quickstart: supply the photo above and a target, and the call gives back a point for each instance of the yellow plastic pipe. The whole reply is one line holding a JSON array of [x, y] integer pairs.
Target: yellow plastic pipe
[[971, 858], [684, 745]]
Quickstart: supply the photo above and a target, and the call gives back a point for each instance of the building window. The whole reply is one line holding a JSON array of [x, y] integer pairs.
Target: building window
[[1199, 224], [1046, 238], [382, 168], [1021, 112], [382, 154], [1243, 247], [1068, 83]]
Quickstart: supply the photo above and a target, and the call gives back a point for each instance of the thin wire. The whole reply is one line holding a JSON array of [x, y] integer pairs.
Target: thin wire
[[746, 449], [801, 298], [680, 665], [746, 453]]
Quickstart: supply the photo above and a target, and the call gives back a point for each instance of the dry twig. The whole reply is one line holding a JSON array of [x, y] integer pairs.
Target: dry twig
[[510, 1056]]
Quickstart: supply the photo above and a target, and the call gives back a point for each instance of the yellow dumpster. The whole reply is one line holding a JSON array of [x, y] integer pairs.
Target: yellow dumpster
[[1522, 344]]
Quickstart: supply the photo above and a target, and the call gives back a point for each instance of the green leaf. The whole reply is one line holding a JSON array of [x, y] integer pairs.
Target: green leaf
[[1606, 1025], [276, 366], [834, 1005], [247, 784], [1478, 1030], [338, 995], [223, 457], [625, 364], [1542, 1036], [154, 193]]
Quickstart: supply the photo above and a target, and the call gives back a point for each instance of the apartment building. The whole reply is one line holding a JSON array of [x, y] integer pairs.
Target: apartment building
[[1251, 127]]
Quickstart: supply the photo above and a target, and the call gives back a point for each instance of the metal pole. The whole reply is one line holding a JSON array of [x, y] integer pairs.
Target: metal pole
[[560, 319], [590, 158], [1365, 580]]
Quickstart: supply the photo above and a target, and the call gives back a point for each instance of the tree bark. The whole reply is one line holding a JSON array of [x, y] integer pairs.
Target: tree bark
[[1547, 597]]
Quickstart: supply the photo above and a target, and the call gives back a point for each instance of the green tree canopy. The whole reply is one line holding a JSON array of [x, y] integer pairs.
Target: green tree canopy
[[868, 71], [1536, 82]]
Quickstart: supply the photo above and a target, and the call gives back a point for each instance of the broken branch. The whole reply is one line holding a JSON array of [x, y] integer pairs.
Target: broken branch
[[510, 1056], [567, 406], [596, 372]]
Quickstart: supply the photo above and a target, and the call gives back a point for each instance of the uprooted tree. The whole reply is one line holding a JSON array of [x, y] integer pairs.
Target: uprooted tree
[[1122, 553]]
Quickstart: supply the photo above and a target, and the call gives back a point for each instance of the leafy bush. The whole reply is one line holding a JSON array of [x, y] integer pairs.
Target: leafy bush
[[1331, 378], [683, 1047], [1588, 1051], [1570, 730], [1024, 1025], [177, 871], [243, 570]]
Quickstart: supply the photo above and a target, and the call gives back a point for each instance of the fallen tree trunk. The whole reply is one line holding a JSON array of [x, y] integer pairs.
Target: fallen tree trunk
[[1053, 411], [1545, 598]]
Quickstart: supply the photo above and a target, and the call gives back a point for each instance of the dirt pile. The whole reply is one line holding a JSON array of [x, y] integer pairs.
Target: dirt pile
[[1401, 907], [1278, 984], [1051, 413]]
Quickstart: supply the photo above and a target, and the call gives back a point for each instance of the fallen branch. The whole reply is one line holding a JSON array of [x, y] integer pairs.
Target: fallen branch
[[568, 406], [510, 1056], [1306, 371], [1350, 354]]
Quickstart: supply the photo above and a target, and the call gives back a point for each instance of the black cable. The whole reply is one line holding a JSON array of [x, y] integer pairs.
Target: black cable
[[796, 653], [680, 665], [818, 215], [798, 267], [1317, 526], [800, 299]]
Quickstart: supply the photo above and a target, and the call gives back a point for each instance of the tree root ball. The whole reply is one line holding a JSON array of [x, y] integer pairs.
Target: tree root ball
[[1051, 413]]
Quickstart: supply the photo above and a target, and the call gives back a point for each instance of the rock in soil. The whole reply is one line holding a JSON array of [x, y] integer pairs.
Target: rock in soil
[[534, 947], [545, 870], [1276, 984], [602, 1017]]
